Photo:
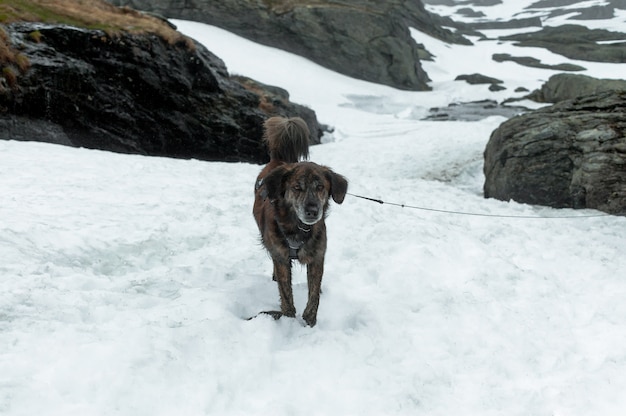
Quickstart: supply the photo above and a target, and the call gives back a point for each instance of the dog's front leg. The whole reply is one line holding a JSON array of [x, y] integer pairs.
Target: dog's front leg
[[282, 274], [314, 270]]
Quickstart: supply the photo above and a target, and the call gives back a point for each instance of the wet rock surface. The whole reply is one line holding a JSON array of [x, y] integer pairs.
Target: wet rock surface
[[136, 94], [474, 111]]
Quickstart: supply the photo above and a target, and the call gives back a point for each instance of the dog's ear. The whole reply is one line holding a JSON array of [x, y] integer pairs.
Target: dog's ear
[[275, 182], [338, 186]]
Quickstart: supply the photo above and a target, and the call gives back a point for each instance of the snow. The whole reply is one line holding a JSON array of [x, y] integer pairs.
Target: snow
[[127, 281]]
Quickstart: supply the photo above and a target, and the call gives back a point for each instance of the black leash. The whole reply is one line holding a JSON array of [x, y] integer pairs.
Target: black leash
[[443, 211]]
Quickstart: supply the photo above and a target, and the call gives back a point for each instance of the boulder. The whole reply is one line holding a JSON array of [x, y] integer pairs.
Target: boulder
[[365, 39], [476, 78], [572, 154], [562, 87], [135, 93]]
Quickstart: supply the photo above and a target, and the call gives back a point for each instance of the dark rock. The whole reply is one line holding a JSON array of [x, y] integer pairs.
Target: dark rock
[[595, 13], [535, 63], [461, 2], [473, 111], [135, 94], [507, 24], [365, 39], [477, 79], [496, 87], [583, 13], [521, 89], [562, 87], [468, 12], [618, 4], [572, 154], [576, 42], [548, 4]]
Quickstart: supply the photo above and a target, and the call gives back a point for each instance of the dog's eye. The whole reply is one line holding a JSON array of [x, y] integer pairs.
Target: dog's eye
[[297, 188], [320, 188]]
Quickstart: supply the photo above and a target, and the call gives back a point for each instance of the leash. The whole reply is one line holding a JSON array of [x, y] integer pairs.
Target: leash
[[475, 214]]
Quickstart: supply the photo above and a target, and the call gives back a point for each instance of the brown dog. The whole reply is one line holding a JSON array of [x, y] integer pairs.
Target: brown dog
[[290, 204]]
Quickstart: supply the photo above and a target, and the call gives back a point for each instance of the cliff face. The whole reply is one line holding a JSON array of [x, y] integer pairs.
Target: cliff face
[[134, 93], [364, 39]]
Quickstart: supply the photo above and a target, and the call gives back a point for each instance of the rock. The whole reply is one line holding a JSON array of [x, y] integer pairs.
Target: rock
[[582, 13], [365, 39], [481, 3], [572, 154], [595, 13], [473, 111], [507, 24], [469, 12], [135, 94], [562, 87], [478, 79], [576, 42], [534, 62], [496, 87]]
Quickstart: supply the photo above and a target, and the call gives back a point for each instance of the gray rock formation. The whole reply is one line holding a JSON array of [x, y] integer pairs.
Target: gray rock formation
[[576, 42], [572, 154], [135, 94], [535, 63], [365, 39], [562, 87], [473, 111]]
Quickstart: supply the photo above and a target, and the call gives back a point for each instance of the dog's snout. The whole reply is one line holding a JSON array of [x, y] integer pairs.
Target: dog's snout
[[311, 210]]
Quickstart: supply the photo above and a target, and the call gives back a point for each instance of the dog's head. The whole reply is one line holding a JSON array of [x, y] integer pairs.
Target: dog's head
[[305, 188]]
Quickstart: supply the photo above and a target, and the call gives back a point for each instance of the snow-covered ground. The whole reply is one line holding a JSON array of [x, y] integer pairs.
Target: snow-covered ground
[[126, 281]]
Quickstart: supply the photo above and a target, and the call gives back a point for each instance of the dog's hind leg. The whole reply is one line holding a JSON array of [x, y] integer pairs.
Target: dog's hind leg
[[282, 274], [315, 271]]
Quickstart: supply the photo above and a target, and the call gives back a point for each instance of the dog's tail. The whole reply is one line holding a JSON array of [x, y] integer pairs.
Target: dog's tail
[[287, 138]]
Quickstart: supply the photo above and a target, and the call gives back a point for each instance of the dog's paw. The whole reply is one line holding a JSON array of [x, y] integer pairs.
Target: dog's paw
[[310, 318]]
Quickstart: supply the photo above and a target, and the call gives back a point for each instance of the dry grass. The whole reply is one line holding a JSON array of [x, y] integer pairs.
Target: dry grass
[[266, 99], [90, 14]]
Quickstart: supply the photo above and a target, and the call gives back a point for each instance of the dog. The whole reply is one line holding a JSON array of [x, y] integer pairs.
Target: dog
[[291, 199]]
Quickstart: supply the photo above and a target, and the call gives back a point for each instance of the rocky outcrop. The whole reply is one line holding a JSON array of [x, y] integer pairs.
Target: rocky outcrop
[[135, 93], [507, 24], [473, 111], [605, 11], [535, 63], [576, 42], [562, 87], [365, 39], [572, 154]]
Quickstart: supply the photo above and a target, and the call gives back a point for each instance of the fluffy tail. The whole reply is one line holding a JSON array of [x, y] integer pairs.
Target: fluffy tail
[[287, 139]]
